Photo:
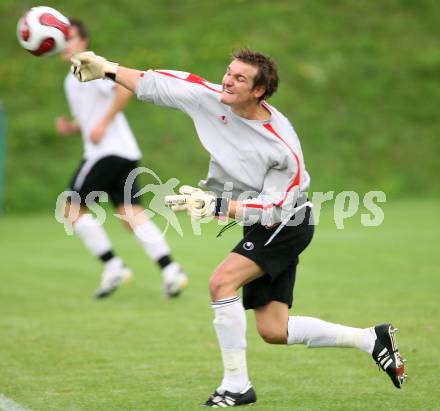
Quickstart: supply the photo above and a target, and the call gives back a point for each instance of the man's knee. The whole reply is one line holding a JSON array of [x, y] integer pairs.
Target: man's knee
[[230, 275], [132, 216], [272, 334], [216, 284], [271, 321], [220, 285]]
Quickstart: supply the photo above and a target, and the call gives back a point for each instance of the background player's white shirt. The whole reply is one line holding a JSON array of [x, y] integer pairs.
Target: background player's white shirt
[[261, 160], [88, 103]]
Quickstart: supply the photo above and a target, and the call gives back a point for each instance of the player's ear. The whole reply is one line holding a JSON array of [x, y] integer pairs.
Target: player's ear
[[259, 91]]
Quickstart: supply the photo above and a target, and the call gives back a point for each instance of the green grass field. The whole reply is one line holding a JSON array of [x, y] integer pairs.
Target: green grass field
[[62, 350]]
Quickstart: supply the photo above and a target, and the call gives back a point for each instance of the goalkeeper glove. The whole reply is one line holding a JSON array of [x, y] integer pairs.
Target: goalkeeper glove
[[197, 203], [87, 66]]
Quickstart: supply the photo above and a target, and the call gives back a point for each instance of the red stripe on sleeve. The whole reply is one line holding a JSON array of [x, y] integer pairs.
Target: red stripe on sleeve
[[192, 78]]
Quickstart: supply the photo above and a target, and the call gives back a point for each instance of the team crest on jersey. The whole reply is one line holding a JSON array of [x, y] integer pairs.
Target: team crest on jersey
[[223, 119], [248, 246]]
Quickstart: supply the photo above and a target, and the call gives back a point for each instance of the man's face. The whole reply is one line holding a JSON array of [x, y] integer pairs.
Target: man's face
[[75, 44], [238, 85]]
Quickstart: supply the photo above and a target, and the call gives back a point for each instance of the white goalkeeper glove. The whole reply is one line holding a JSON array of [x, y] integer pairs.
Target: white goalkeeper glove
[[195, 201], [87, 66]]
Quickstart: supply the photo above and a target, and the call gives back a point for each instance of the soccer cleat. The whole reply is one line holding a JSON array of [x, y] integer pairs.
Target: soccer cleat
[[230, 399], [174, 285], [387, 355], [111, 279]]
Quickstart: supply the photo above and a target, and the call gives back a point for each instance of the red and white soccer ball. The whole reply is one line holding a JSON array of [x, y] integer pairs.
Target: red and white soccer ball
[[43, 31]]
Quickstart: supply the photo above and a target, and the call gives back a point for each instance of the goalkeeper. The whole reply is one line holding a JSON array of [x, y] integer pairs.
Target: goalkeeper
[[256, 152]]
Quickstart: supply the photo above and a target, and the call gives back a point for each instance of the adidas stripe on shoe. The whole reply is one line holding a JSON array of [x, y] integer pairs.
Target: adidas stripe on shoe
[[387, 355], [230, 399]]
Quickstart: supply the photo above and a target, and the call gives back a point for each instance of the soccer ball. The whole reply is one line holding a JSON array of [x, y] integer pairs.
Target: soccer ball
[[43, 31]]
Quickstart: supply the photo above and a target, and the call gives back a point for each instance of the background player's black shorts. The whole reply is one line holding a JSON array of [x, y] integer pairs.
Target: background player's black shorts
[[108, 174], [278, 259]]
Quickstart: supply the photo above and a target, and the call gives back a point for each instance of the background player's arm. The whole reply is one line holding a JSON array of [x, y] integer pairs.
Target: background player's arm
[[67, 127], [122, 97]]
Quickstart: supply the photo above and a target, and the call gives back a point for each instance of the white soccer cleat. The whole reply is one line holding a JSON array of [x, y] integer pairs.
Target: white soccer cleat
[[174, 284], [111, 279]]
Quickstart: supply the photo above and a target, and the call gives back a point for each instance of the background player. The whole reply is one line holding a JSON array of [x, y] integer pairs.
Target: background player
[[110, 154]]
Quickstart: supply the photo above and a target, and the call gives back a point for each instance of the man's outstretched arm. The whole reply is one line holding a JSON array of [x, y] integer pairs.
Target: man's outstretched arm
[[165, 88], [127, 77]]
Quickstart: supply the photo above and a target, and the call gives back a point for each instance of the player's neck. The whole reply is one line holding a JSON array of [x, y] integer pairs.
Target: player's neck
[[252, 112]]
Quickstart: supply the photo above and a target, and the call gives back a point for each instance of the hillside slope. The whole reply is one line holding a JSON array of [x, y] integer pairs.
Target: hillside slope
[[359, 81]]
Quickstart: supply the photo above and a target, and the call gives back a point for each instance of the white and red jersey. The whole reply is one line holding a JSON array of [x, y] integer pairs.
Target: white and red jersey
[[260, 162], [88, 103]]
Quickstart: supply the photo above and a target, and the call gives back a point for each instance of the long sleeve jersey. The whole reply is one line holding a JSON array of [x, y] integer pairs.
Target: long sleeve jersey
[[258, 162]]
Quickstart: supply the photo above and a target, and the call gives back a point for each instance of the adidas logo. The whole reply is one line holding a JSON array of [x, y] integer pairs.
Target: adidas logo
[[384, 358]]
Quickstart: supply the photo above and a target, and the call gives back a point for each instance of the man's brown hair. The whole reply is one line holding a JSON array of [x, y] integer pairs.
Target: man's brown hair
[[82, 29], [267, 74]]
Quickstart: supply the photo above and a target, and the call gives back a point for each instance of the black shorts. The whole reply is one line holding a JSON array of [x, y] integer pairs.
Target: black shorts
[[107, 174], [278, 259]]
